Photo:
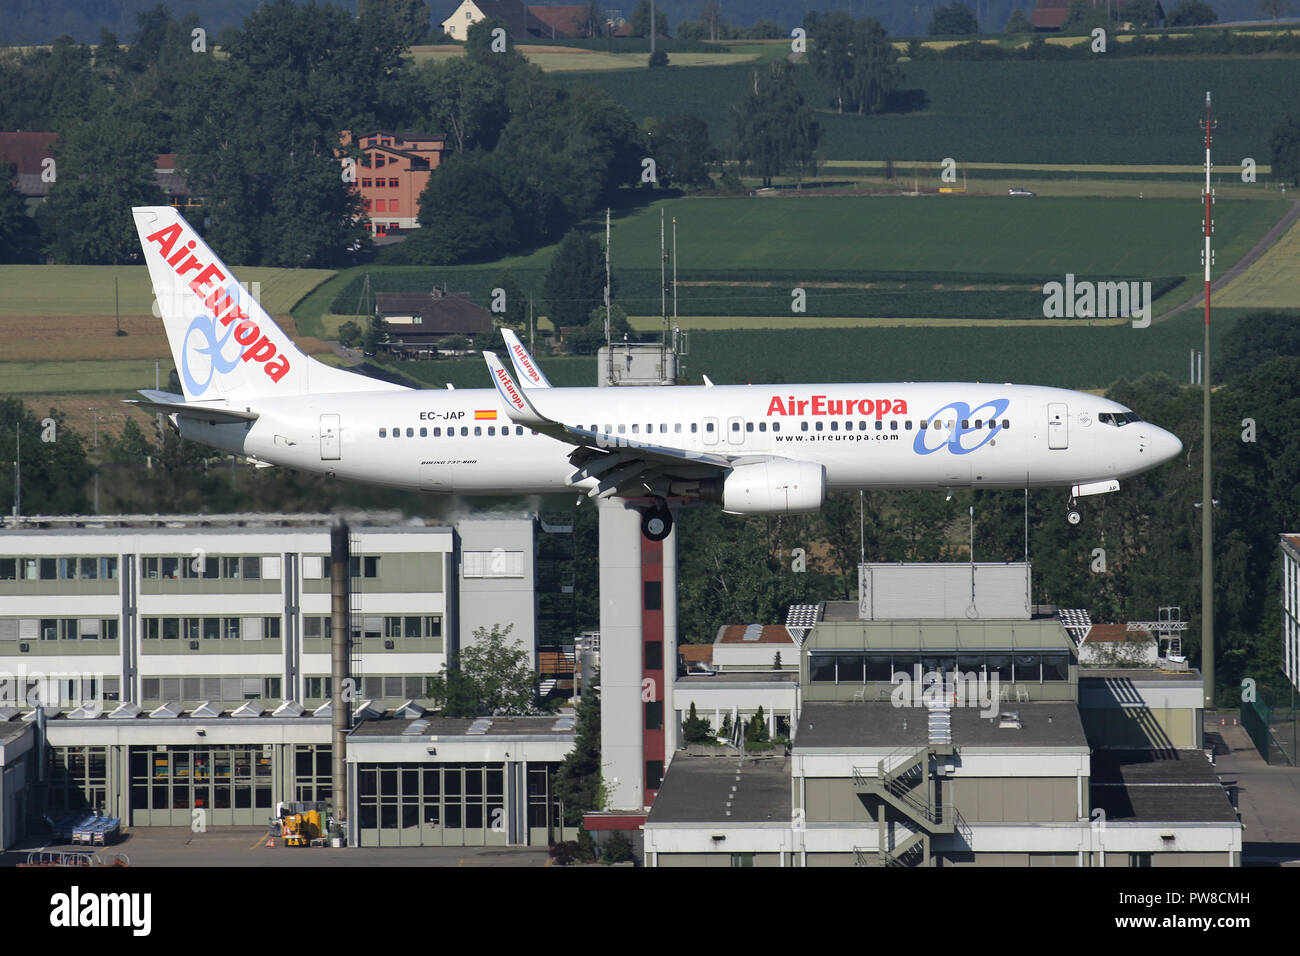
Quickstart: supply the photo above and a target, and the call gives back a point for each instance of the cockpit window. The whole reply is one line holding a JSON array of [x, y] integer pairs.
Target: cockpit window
[[1118, 419]]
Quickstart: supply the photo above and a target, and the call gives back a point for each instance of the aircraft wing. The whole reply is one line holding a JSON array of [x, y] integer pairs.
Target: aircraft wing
[[613, 461], [169, 403]]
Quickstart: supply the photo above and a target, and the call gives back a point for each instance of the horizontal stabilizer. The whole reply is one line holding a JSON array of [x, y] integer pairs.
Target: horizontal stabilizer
[[170, 403]]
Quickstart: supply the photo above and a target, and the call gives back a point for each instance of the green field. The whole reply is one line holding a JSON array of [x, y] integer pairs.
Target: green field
[[1068, 356], [1073, 111], [90, 375], [88, 290], [959, 257]]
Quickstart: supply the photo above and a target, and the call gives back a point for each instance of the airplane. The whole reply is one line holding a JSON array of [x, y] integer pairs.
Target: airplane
[[753, 449]]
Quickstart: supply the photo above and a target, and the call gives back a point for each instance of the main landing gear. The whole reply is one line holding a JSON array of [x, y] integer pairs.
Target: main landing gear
[[657, 520]]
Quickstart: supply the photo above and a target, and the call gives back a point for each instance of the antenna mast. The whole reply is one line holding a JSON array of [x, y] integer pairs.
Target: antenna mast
[[1207, 502]]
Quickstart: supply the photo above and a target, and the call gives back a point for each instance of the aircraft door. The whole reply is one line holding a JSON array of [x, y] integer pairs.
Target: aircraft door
[[1058, 435], [329, 437], [735, 430], [710, 427]]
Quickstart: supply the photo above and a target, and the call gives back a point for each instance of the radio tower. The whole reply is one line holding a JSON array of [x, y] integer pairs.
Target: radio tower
[[1207, 503]]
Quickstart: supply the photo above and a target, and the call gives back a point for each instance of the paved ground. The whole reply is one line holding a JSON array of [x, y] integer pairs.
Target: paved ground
[[243, 846], [1269, 796]]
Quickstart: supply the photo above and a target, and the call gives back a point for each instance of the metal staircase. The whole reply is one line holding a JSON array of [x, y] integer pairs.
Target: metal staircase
[[904, 782]]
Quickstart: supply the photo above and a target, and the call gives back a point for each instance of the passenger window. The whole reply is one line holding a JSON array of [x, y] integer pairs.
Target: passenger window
[[924, 423], [879, 425], [978, 423], [695, 426], [478, 430], [818, 426], [908, 425], [663, 428], [622, 429], [708, 426], [464, 431], [492, 431], [776, 426], [437, 432], [424, 432], [749, 426], [835, 426], [1005, 423], [803, 426], [677, 428], [635, 429], [893, 425], [762, 426], [410, 433], [383, 433], [965, 423], [397, 433], [862, 426]]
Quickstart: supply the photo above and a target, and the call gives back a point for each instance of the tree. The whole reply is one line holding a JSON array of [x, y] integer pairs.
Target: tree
[[1285, 143], [409, 19], [19, 241], [1192, 13], [641, 21], [831, 53], [54, 472], [500, 671], [575, 282], [658, 59], [711, 18], [465, 214], [776, 661], [682, 151], [1084, 16], [578, 781], [350, 334], [875, 66], [696, 729], [593, 21], [376, 335], [953, 20], [1141, 13], [1019, 22], [774, 127], [466, 98], [756, 728], [104, 166], [1275, 8]]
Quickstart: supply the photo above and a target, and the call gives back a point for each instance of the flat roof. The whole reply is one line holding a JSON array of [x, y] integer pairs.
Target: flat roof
[[753, 634], [875, 724], [459, 727], [1139, 674], [696, 789], [741, 677], [1146, 786], [361, 522], [11, 730], [1046, 633]]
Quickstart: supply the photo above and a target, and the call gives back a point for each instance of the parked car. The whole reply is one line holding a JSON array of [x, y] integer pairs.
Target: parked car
[[1017, 191]]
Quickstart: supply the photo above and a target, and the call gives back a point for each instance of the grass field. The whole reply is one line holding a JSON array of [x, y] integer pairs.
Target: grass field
[[946, 257], [1129, 111], [561, 59], [1066, 355], [88, 290], [1273, 281]]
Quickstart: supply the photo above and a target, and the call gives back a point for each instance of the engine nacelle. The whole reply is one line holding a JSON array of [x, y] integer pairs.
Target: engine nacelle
[[767, 487]]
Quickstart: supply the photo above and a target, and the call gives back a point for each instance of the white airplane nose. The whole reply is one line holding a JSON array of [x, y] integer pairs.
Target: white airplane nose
[[1165, 445]]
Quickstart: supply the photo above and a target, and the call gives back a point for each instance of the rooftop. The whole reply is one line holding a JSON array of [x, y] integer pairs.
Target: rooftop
[[1144, 786], [11, 730], [877, 724], [741, 677], [843, 633], [697, 790], [391, 726], [367, 521], [753, 634], [1139, 675], [1116, 634]]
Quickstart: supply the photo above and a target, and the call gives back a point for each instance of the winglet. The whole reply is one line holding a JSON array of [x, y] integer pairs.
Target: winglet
[[707, 382], [518, 407], [530, 376]]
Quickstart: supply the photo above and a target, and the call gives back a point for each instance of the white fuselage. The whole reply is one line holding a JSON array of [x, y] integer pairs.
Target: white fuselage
[[865, 435]]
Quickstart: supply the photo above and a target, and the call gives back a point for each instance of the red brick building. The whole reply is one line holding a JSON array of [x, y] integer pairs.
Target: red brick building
[[392, 173]]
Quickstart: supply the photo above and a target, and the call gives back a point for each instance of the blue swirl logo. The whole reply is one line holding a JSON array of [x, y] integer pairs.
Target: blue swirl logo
[[207, 345], [955, 441]]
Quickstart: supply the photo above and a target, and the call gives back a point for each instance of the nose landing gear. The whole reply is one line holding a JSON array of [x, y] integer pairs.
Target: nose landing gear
[[657, 520], [1072, 515]]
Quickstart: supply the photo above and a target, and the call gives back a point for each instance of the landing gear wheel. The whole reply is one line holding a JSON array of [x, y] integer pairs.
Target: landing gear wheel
[[657, 522], [1073, 516]]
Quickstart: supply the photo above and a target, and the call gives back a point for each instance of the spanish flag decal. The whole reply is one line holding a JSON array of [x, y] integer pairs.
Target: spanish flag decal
[[485, 415]]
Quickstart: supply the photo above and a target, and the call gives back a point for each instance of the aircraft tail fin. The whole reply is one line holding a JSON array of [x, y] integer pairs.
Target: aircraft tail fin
[[223, 342]]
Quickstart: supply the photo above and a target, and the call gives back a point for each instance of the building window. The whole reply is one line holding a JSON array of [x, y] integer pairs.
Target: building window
[[392, 205], [497, 563], [654, 655], [368, 565], [654, 596], [654, 774], [366, 183], [654, 715], [381, 205]]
